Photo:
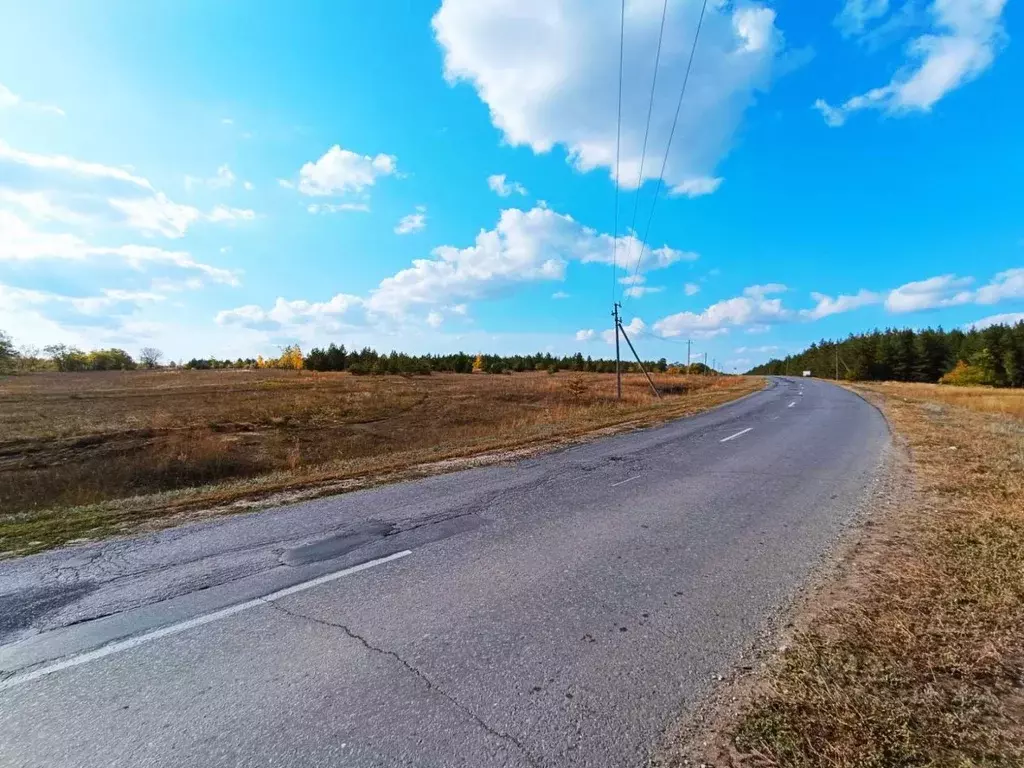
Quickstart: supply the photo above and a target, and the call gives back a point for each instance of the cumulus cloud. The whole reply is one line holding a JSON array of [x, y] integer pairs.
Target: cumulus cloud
[[544, 69], [633, 327], [965, 37], [940, 291], [586, 335], [828, 305], [752, 308], [341, 170], [691, 289], [502, 187], [412, 222], [559, 295]]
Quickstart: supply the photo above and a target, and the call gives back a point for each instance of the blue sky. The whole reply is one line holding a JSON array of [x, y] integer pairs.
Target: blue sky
[[225, 178]]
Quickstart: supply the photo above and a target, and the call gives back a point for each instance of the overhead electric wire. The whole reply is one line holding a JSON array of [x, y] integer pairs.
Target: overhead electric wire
[[618, 141], [647, 130], [664, 164]]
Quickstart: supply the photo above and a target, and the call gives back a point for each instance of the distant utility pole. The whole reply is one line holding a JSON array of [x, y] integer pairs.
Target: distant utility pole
[[705, 371], [687, 355], [638, 360], [618, 372], [837, 362]]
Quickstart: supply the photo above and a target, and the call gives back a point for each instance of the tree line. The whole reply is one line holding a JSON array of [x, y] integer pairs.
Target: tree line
[[992, 356], [334, 357]]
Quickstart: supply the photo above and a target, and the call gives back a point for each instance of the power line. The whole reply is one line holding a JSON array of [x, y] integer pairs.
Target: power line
[[618, 140], [647, 130], [671, 135]]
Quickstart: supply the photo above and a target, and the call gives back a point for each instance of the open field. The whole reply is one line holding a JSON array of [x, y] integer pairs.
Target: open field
[[93, 454], [914, 655]]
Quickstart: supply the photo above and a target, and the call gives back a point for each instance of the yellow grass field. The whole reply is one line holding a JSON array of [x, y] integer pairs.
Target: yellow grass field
[[91, 454]]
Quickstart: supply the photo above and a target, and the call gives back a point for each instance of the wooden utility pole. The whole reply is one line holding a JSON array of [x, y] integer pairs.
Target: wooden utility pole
[[618, 371]]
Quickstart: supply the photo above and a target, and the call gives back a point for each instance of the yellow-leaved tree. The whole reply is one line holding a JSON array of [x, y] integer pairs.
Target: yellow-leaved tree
[[478, 364], [291, 357]]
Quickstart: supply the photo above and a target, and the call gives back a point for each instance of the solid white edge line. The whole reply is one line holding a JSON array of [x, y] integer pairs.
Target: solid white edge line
[[198, 621], [627, 480], [732, 437]]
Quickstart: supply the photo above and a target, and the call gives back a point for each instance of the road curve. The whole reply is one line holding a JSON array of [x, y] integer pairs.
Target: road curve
[[556, 612]]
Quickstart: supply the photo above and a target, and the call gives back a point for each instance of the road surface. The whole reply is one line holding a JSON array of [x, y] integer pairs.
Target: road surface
[[561, 611]]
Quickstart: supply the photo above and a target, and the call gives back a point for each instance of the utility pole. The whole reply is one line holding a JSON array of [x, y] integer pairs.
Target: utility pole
[[618, 372], [705, 371], [687, 356], [638, 360], [837, 362]]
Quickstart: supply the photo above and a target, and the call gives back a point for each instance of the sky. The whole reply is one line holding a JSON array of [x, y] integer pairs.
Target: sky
[[226, 178]]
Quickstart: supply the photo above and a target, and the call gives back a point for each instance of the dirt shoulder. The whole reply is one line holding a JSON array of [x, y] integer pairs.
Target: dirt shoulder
[[910, 649]]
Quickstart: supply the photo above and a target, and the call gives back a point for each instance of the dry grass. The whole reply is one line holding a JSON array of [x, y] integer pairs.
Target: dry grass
[[92, 454], [918, 660], [1006, 402]]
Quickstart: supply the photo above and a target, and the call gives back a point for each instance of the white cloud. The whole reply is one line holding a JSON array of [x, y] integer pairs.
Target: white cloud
[[559, 295], [963, 42], [827, 305], [586, 335], [64, 164], [763, 349], [41, 207], [525, 246], [227, 121], [20, 242], [332, 208], [857, 14], [697, 187], [412, 222], [632, 328], [753, 308], [343, 309], [1005, 285], [639, 291], [434, 319], [222, 213], [157, 214], [760, 291], [1010, 318], [503, 188], [340, 170], [545, 67], [222, 179], [71, 191], [941, 291], [248, 186], [9, 100], [691, 289]]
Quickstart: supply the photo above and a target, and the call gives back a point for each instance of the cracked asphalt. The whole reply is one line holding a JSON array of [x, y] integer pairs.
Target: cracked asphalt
[[560, 611]]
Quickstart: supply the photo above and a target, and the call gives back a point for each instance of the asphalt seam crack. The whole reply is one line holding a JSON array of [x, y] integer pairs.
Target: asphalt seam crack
[[431, 685]]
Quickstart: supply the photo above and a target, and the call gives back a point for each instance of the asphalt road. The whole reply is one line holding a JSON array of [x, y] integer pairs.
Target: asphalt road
[[561, 611]]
